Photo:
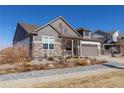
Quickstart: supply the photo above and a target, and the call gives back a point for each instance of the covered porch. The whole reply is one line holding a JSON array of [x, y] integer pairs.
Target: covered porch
[[70, 46]]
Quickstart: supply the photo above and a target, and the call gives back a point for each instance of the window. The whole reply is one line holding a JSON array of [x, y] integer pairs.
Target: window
[[86, 33], [51, 46], [51, 42], [45, 42], [45, 39], [45, 46], [48, 42]]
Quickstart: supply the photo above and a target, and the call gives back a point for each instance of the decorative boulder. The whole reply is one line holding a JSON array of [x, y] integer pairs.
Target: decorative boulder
[[88, 62], [51, 66]]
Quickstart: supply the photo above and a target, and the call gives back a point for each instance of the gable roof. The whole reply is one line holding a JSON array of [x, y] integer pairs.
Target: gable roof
[[55, 28], [28, 27], [32, 29], [101, 33]]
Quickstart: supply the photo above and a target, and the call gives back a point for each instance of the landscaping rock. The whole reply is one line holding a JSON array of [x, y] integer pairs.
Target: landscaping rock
[[51, 66], [42, 73], [88, 62]]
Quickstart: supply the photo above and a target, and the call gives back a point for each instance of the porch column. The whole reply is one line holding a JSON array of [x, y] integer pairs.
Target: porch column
[[72, 48]]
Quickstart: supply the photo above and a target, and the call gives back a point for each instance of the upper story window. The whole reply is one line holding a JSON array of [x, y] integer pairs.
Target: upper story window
[[48, 42], [87, 34]]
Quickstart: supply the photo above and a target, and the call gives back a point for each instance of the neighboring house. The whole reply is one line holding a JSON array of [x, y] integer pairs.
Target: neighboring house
[[109, 40], [121, 43], [55, 38]]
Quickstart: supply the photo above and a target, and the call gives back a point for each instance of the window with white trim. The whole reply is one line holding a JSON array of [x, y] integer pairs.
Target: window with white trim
[[48, 42], [86, 33]]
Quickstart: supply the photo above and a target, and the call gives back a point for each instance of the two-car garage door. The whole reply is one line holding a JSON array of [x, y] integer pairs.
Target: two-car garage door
[[89, 50]]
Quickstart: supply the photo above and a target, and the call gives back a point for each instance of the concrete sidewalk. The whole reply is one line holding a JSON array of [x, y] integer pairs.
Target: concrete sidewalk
[[108, 58]]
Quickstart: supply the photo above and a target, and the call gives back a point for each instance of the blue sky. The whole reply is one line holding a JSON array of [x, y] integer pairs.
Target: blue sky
[[106, 18]]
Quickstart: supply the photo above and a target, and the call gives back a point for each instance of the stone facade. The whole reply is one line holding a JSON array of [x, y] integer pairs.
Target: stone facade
[[39, 52]]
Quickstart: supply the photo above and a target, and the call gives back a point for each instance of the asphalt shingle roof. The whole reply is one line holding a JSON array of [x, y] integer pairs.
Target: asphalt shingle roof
[[28, 27]]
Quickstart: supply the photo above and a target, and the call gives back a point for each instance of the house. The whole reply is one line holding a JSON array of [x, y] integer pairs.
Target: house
[[109, 40], [55, 38]]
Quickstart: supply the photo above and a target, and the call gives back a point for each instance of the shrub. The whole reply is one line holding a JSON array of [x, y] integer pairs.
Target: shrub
[[7, 55], [28, 69], [76, 56], [14, 54], [38, 67], [71, 64], [58, 65], [69, 57], [81, 62]]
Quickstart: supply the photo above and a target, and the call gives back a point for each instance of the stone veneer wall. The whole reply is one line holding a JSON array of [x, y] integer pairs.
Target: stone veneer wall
[[38, 51]]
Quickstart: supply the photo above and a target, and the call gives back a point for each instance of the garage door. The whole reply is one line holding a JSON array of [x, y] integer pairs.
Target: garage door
[[89, 50]]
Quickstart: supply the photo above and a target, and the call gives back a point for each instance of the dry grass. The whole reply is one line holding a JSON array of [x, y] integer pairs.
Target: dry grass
[[22, 68], [111, 79], [13, 55], [28, 66]]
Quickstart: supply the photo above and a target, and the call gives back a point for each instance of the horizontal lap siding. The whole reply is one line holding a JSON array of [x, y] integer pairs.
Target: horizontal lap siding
[[46, 31], [63, 28]]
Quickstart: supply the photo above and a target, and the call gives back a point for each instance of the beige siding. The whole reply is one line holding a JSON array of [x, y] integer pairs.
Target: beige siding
[[63, 28], [46, 31]]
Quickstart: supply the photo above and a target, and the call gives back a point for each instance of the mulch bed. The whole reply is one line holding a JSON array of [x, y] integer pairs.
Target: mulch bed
[[61, 64]]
